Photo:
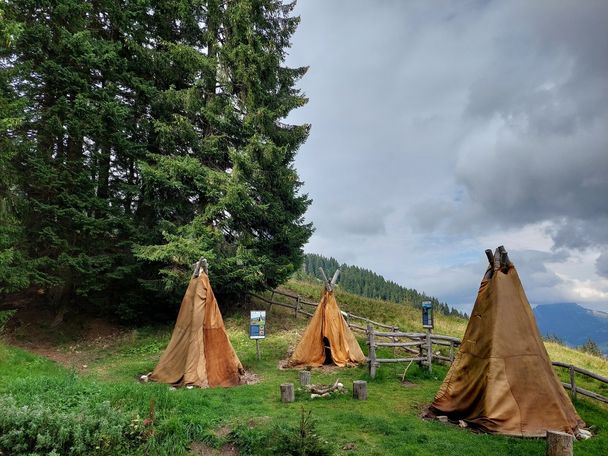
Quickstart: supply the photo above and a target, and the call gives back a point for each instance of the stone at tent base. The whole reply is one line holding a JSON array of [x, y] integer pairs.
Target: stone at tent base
[[583, 434]]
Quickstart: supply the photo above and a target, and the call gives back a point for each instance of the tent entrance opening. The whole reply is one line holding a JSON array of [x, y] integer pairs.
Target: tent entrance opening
[[327, 348]]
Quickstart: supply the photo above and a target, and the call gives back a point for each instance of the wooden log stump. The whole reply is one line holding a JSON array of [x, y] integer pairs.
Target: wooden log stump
[[287, 392], [559, 444], [360, 390], [305, 377]]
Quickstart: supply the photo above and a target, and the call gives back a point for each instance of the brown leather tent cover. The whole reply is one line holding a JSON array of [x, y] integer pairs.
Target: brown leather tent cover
[[199, 352], [328, 322], [502, 380]]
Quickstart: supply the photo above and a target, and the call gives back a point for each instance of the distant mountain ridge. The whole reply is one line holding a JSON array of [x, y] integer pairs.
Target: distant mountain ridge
[[573, 324], [363, 282]]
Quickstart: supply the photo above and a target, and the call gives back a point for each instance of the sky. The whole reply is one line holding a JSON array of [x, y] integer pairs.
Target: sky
[[441, 129]]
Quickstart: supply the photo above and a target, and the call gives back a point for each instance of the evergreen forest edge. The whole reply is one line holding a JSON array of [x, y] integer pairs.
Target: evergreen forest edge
[[366, 283], [140, 136]]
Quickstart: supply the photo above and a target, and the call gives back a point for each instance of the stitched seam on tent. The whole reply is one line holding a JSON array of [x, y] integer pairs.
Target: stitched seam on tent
[[521, 429], [449, 382]]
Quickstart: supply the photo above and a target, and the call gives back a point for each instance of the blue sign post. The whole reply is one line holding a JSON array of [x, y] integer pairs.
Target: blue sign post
[[257, 328], [427, 322], [427, 314]]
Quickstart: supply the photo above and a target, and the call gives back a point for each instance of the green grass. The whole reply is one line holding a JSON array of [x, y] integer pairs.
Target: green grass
[[388, 423]]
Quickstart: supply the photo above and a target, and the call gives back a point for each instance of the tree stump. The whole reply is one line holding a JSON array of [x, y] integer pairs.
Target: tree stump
[[559, 444], [305, 377], [287, 392], [360, 390]]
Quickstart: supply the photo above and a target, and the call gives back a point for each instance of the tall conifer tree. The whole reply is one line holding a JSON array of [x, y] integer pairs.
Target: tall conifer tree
[[154, 127]]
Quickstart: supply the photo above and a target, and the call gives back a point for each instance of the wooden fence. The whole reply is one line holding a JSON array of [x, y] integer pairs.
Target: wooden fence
[[299, 304], [419, 346], [577, 389], [378, 334]]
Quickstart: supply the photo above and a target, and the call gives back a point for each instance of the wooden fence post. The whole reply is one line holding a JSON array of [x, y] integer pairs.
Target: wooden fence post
[[297, 306], [421, 351], [559, 444], [271, 296], [451, 352], [372, 351], [395, 339], [572, 383], [429, 351]]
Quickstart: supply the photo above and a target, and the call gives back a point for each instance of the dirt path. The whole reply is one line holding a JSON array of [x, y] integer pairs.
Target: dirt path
[[74, 342]]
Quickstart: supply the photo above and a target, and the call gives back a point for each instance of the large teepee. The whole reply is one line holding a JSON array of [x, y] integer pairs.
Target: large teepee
[[502, 380], [199, 352], [327, 339]]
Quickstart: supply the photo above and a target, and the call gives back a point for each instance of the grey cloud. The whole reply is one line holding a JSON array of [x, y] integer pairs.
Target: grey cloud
[[545, 93], [601, 265], [525, 180], [581, 234], [534, 144], [531, 266], [354, 219], [549, 66]]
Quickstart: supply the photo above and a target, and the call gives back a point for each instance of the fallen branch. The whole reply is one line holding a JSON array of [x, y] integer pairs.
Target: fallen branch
[[324, 390], [405, 371]]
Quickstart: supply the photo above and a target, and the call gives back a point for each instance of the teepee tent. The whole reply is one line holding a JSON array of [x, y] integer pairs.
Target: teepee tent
[[502, 380], [327, 339], [199, 352]]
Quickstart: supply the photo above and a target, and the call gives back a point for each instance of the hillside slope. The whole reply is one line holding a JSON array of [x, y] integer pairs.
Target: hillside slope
[[369, 284]]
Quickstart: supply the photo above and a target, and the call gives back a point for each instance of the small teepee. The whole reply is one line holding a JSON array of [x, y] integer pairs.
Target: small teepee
[[502, 380], [327, 339], [199, 352]]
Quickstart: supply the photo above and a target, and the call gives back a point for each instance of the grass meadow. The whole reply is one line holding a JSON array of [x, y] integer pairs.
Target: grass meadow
[[46, 408]]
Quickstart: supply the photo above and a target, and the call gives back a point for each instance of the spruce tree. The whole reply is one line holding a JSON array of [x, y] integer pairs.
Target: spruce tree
[[14, 268], [153, 128], [223, 159]]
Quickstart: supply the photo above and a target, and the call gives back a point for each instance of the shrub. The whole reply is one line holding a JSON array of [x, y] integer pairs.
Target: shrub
[[591, 347], [301, 440], [84, 429], [553, 338]]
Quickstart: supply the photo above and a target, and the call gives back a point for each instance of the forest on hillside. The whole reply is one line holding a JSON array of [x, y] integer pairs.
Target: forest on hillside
[[364, 282]]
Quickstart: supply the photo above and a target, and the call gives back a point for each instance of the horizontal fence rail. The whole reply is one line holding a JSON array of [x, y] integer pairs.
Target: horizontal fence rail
[[418, 345], [347, 315], [297, 308], [577, 389]]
